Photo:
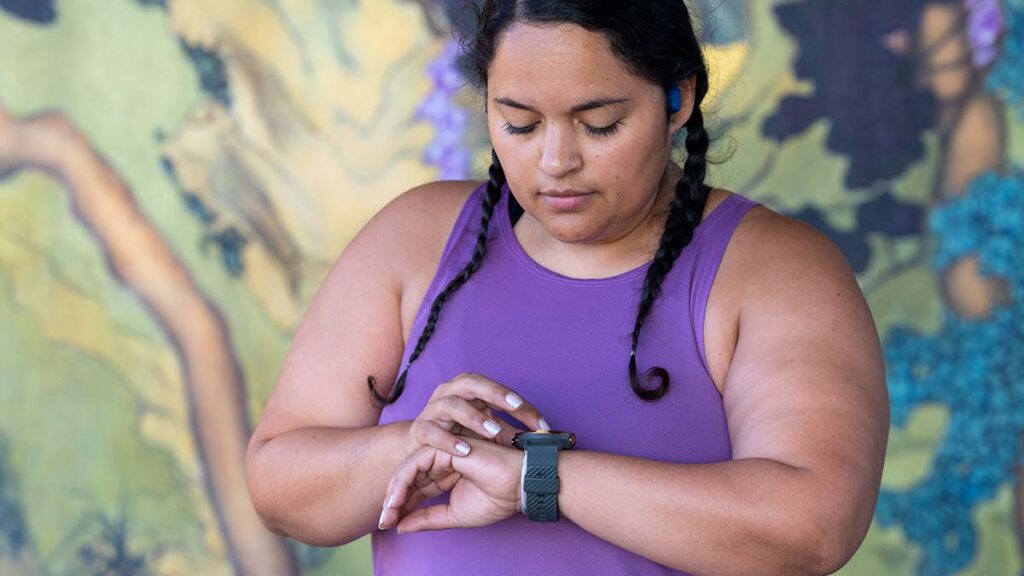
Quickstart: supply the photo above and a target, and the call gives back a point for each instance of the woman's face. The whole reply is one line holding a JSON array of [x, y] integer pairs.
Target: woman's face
[[565, 115]]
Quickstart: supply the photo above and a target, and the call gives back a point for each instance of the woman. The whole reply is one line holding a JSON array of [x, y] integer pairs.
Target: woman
[[753, 441]]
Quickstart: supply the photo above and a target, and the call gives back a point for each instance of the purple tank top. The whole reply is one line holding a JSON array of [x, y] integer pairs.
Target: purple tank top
[[563, 343]]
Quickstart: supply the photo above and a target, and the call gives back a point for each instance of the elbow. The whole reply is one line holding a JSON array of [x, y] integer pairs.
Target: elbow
[[810, 556], [836, 549], [826, 557], [259, 494], [832, 544], [277, 514]]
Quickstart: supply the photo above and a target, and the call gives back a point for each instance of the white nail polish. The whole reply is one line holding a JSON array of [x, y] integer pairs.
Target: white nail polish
[[492, 427], [391, 500], [544, 425], [380, 523], [513, 400], [462, 448]]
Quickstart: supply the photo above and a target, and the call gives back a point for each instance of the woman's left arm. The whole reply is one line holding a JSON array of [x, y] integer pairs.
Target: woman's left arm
[[808, 416]]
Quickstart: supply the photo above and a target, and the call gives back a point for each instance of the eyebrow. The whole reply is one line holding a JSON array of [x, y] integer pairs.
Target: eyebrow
[[598, 103]]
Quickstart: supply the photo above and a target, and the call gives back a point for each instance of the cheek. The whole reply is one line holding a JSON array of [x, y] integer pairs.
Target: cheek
[[622, 160], [630, 164]]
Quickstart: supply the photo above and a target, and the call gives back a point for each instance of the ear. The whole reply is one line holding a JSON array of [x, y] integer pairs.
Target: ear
[[687, 88]]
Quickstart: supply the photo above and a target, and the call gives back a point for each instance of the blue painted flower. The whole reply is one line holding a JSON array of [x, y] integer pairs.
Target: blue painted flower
[[975, 367], [1007, 75]]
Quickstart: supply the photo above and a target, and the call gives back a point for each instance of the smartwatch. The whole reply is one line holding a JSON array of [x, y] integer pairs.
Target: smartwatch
[[540, 471]]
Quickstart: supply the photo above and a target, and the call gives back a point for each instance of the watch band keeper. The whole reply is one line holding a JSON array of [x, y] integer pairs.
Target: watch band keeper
[[541, 485]]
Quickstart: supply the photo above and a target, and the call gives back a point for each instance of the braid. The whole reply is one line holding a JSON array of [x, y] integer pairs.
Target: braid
[[687, 208], [491, 198]]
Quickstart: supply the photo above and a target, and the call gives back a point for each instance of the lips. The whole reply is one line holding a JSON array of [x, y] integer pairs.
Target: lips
[[563, 193], [566, 200]]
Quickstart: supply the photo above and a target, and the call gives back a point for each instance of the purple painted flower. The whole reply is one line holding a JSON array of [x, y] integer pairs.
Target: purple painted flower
[[446, 151], [985, 25]]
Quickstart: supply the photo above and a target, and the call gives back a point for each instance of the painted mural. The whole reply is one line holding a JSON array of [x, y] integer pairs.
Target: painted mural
[[177, 176]]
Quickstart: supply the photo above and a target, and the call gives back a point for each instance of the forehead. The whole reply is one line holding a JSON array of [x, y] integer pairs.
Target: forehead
[[563, 62]]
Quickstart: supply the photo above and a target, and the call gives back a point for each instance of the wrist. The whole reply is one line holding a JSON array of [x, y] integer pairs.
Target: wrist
[[403, 429]]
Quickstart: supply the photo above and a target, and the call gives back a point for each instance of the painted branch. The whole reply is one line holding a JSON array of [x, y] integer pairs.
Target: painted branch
[[139, 258]]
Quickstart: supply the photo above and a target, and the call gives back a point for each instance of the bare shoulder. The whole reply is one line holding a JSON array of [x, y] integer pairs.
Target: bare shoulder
[[769, 256], [784, 247], [440, 199], [789, 281], [427, 213], [417, 224]]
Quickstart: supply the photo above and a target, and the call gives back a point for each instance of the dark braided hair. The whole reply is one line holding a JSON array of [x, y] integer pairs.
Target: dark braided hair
[[491, 198], [684, 216], [655, 39]]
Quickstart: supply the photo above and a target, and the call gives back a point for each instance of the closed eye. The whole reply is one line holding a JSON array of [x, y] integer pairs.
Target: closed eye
[[606, 131], [518, 131], [523, 130]]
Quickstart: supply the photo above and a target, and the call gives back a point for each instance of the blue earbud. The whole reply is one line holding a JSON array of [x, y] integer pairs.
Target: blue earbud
[[675, 99]]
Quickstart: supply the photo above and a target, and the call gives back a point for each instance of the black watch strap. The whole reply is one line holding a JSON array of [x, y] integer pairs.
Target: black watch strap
[[541, 482]]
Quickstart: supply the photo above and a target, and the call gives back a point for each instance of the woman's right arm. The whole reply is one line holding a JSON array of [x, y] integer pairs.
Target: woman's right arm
[[317, 464]]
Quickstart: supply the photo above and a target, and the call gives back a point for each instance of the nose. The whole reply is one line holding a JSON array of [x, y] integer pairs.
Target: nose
[[560, 155]]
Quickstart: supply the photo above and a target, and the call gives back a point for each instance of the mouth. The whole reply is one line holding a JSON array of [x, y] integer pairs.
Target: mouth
[[564, 193], [566, 200]]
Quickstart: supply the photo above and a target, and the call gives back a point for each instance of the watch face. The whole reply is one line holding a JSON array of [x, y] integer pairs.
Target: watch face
[[565, 440]]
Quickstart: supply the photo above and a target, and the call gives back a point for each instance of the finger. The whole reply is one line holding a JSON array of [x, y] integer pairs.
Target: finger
[[470, 434], [505, 435], [437, 517], [403, 476], [416, 494], [430, 433], [461, 411], [508, 432], [499, 396], [398, 476], [485, 409], [428, 474], [441, 390]]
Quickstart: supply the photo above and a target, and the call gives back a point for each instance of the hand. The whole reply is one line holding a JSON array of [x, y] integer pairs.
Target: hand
[[462, 408], [485, 488]]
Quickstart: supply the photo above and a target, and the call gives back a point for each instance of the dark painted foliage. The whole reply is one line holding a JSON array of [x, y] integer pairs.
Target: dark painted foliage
[[37, 11], [877, 110]]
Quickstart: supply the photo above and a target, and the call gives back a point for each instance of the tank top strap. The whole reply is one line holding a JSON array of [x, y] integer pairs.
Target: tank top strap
[[713, 236], [456, 253]]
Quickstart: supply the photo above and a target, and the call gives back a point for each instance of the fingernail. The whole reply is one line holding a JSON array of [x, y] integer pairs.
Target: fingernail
[[380, 523], [492, 427], [513, 400], [544, 425], [463, 448], [391, 500]]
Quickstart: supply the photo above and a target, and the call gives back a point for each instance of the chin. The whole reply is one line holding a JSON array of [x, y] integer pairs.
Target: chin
[[571, 228]]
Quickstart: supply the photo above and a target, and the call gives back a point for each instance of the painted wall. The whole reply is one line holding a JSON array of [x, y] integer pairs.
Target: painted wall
[[176, 177]]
